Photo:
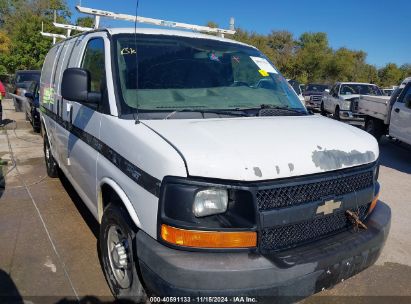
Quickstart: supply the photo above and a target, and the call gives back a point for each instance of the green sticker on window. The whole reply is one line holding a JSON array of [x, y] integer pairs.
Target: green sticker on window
[[48, 96]]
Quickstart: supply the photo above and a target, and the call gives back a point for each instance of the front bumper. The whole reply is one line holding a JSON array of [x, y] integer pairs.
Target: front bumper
[[349, 115], [313, 104], [290, 274]]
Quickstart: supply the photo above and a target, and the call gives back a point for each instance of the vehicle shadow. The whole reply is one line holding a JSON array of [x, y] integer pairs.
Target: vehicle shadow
[[5, 122], [88, 217], [9, 293], [395, 155]]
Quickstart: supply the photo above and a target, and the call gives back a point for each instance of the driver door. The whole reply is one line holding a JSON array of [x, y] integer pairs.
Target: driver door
[[400, 124]]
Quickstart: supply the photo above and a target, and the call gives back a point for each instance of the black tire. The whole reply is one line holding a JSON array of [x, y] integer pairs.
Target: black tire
[[337, 113], [124, 281], [51, 164], [322, 110], [374, 127]]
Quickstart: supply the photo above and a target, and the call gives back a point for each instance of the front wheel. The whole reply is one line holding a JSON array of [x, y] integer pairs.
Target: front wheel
[[51, 164], [118, 254], [337, 115], [322, 109], [374, 127]]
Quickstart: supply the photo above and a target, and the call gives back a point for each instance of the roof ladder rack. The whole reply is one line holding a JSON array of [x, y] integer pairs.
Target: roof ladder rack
[[70, 27], [158, 22], [51, 35]]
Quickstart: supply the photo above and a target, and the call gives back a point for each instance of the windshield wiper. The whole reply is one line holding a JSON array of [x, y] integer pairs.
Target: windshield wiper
[[235, 112], [268, 106]]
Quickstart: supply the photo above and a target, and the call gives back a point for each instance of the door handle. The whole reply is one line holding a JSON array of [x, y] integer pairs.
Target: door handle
[[397, 110]]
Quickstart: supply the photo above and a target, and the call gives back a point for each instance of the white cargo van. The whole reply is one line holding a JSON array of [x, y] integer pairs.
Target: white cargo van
[[207, 174]]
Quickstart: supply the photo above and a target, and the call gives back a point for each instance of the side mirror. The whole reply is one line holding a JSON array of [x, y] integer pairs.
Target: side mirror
[[327, 91], [75, 86], [29, 95]]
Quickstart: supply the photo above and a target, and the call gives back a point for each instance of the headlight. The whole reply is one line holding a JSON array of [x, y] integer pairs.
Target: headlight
[[210, 201], [307, 98], [347, 104], [201, 205]]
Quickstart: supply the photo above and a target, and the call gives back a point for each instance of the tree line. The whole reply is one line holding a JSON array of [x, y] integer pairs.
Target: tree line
[[309, 58]]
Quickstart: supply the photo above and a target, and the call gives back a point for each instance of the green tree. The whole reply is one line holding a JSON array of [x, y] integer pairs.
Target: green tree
[[406, 70], [390, 75], [312, 55], [282, 51], [21, 21], [85, 22], [212, 24]]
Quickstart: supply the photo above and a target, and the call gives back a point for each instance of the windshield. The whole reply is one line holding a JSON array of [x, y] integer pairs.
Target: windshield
[[363, 89], [174, 73], [23, 77], [316, 88]]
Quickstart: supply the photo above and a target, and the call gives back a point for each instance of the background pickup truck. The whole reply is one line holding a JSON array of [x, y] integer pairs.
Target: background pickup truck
[[386, 115], [342, 100]]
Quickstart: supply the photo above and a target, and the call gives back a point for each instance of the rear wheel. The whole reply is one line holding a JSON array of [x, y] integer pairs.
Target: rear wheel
[[374, 127], [51, 163], [118, 254]]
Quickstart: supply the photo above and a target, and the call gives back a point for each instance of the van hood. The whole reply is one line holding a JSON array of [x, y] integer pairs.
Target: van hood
[[263, 148]]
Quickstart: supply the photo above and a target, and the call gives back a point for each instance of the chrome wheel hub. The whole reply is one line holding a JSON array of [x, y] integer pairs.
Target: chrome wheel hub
[[118, 253], [119, 256]]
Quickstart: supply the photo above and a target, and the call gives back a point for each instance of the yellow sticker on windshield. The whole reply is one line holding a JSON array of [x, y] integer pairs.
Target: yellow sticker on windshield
[[264, 73]]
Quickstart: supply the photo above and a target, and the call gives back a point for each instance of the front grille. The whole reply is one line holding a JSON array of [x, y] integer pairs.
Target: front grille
[[316, 98], [354, 105], [293, 195], [282, 237]]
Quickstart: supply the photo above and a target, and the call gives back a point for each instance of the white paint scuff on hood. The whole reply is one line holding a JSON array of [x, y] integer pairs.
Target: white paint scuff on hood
[[263, 148]]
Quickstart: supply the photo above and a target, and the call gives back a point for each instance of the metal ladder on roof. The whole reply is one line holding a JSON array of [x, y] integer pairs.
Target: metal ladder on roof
[[157, 22]]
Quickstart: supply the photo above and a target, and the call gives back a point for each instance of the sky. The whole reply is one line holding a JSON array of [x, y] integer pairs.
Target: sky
[[381, 28]]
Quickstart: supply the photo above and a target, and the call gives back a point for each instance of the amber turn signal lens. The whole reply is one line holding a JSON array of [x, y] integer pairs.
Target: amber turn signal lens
[[373, 203], [208, 239]]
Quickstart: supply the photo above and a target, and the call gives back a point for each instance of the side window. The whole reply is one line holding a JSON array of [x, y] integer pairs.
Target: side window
[[406, 91], [332, 91], [337, 90], [93, 61]]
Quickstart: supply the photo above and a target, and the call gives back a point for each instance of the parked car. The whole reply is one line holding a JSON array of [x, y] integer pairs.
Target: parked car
[[313, 95], [31, 106], [387, 92], [21, 81], [342, 100], [389, 115], [297, 89], [205, 179]]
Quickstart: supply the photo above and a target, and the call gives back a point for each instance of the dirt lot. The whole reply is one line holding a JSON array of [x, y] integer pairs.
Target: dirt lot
[[48, 239]]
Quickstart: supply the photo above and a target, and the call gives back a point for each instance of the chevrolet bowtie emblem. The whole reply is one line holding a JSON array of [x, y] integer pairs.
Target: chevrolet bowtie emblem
[[328, 207]]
